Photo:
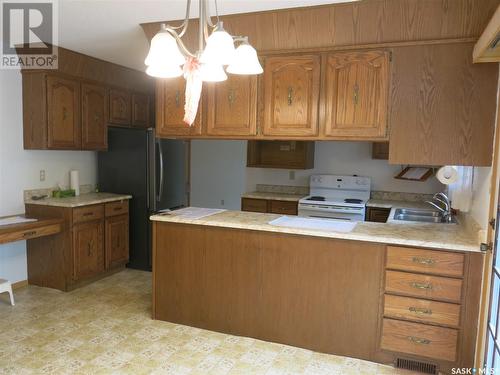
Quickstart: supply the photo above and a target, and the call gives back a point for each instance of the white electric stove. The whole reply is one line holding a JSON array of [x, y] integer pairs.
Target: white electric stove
[[336, 197]]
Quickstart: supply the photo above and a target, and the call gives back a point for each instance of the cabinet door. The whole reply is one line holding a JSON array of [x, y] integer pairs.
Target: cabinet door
[[232, 106], [88, 248], [120, 112], [117, 240], [63, 113], [170, 100], [140, 110], [95, 104], [291, 92], [357, 87]]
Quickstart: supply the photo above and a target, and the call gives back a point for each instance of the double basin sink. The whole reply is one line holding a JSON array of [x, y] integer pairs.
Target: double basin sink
[[422, 216]]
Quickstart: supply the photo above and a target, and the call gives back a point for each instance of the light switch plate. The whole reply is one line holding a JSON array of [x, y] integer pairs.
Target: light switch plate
[[42, 174], [291, 175]]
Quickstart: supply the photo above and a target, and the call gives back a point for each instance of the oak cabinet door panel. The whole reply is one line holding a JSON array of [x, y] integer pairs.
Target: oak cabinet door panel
[[95, 104], [117, 240], [120, 112], [89, 249]]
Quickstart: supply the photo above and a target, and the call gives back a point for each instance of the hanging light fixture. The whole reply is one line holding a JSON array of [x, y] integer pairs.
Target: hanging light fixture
[[168, 52]]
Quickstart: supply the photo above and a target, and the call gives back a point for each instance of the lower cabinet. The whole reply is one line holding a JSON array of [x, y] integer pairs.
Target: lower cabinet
[[117, 240], [377, 214], [94, 242], [269, 206], [88, 249]]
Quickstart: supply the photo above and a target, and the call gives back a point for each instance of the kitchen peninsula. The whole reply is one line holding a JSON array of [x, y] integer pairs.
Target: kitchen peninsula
[[381, 292]]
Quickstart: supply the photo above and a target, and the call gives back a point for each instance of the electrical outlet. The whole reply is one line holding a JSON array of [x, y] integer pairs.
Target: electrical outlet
[[42, 175], [291, 175], [222, 202]]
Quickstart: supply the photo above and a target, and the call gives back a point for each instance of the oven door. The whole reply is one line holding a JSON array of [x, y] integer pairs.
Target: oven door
[[332, 212]]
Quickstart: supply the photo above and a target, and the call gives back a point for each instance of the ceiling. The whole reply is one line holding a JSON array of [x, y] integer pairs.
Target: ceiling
[[109, 29]]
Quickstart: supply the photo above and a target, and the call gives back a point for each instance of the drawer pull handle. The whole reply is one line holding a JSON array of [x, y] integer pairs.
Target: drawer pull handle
[[421, 286], [426, 261], [418, 310], [418, 340], [88, 214], [29, 234]]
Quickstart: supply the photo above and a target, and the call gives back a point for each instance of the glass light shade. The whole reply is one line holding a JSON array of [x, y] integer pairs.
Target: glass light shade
[[212, 73], [220, 48], [164, 71], [245, 61], [164, 51]]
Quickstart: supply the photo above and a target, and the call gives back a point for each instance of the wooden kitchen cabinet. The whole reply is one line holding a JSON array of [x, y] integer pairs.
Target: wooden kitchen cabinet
[[274, 206], [232, 106], [291, 96], [280, 154], [117, 240], [93, 243], [120, 107], [170, 100], [95, 106], [140, 110], [380, 150], [443, 106], [63, 113], [356, 98], [377, 214], [88, 249]]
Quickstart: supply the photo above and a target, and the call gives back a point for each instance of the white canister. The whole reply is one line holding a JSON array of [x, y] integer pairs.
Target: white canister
[[74, 181]]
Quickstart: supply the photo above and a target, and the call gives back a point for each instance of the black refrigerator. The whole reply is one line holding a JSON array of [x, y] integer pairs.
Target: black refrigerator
[[154, 171]]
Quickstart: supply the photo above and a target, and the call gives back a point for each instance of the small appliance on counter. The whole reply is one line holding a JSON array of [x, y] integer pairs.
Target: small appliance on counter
[[336, 197]]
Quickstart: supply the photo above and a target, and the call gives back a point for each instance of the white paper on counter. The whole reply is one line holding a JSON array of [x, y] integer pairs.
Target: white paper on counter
[[309, 223], [194, 213], [15, 220]]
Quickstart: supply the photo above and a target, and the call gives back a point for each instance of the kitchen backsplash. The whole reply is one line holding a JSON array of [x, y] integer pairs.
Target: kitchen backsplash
[[395, 196], [284, 189]]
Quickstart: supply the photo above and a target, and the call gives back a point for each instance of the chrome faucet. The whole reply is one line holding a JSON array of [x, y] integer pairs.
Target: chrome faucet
[[443, 205]]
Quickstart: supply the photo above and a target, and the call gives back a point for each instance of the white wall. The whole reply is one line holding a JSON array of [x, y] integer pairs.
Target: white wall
[[217, 173], [344, 158], [19, 169], [481, 195]]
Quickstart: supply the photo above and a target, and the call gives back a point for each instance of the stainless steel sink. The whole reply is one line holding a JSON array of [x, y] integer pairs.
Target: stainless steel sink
[[422, 216]]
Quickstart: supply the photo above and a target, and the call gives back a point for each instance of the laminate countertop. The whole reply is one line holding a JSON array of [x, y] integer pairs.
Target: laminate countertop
[[274, 196], [459, 237], [81, 200]]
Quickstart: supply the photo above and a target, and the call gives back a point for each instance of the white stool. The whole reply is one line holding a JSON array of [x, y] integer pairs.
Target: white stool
[[6, 286]]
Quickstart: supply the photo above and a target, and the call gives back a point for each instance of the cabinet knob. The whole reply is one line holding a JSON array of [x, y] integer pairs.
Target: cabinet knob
[[231, 97], [356, 94], [290, 95], [177, 98]]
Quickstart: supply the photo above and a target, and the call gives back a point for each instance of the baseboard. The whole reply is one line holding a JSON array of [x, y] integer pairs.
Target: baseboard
[[20, 284]]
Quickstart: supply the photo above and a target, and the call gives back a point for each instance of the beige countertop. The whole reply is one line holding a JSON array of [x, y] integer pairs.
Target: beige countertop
[[273, 196], [81, 200], [459, 237]]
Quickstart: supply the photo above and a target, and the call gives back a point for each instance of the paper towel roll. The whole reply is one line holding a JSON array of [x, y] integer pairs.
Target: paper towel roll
[[447, 175], [74, 181]]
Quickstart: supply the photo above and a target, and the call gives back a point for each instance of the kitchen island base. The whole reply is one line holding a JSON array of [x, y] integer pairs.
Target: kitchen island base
[[322, 294]]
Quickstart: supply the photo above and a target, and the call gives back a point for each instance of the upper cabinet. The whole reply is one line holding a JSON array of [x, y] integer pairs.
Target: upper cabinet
[[443, 106], [170, 99], [291, 96], [357, 87], [95, 102], [140, 111], [63, 113], [232, 106], [120, 110]]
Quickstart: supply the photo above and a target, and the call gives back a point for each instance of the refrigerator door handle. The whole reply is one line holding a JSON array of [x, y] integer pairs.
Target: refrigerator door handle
[[160, 190]]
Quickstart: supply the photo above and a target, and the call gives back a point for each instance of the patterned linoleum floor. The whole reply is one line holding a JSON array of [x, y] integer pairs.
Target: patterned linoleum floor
[[105, 328]]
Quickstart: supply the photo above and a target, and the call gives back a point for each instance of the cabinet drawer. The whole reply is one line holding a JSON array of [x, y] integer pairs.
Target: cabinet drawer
[[27, 234], [283, 207], [427, 261], [253, 205], [422, 310], [419, 339], [433, 287], [116, 208], [88, 213]]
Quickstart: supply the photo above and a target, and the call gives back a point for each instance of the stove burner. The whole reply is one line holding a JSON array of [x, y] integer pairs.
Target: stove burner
[[316, 198], [351, 200]]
